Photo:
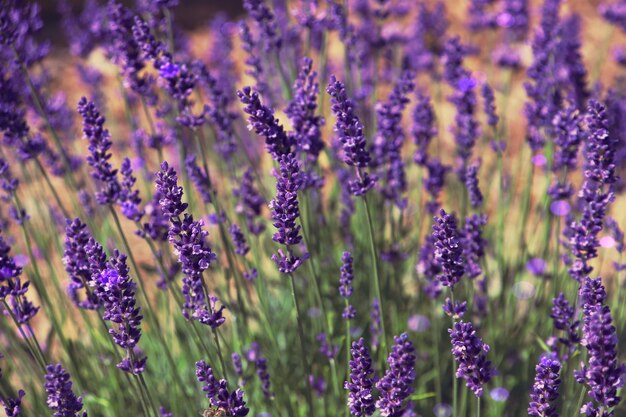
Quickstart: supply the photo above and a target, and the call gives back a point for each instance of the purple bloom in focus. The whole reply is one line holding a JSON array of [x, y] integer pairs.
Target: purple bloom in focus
[[190, 245], [61, 399], [262, 120], [117, 292], [470, 352], [448, 250], [397, 384], [456, 309], [361, 383], [603, 373], [285, 212], [217, 392], [545, 389]]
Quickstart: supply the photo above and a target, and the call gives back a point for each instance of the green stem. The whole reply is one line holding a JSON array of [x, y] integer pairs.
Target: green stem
[[374, 255], [305, 360]]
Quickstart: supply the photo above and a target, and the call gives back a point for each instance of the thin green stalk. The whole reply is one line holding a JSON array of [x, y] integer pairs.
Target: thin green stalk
[[374, 255], [305, 359]]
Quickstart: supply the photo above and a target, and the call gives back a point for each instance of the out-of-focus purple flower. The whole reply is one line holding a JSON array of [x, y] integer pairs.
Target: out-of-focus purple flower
[[434, 182], [448, 250], [375, 324], [514, 18], [499, 394], [572, 60], [127, 52], [427, 38], [326, 348], [61, 399], [616, 233], [536, 266], [562, 315], [466, 128], [542, 88], [345, 282], [13, 406], [418, 323], [301, 111], [99, 153], [614, 13], [129, 199], [545, 389], [199, 178], [424, 128], [361, 383], [473, 243], [560, 208], [285, 212], [116, 291], [158, 223], [569, 136], [397, 384], [265, 19], [250, 202], [429, 267], [471, 183], [232, 403], [239, 239], [480, 18], [318, 384], [489, 105], [389, 139], [470, 352]]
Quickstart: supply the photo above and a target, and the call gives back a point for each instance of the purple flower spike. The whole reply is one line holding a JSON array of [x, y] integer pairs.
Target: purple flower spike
[[13, 406], [12, 289], [239, 240], [603, 373], [347, 275], [117, 292], [250, 202], [349, 132], [545, 390], [61, 399], [262, 120], [448, 250], [99, 153], [79, 248], [286, 210], [470, 352], [361, 383], [230, 402], [397, 383]]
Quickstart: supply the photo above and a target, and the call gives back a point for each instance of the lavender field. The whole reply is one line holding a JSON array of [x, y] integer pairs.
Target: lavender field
[[335, 208]]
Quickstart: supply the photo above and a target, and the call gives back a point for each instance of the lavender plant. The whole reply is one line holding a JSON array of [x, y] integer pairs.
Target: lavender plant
[[259, 204]]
